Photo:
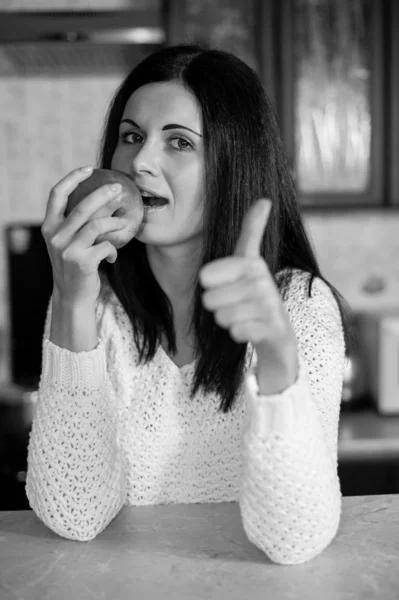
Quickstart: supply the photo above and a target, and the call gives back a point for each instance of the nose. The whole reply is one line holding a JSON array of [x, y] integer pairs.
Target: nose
[[145, 159]]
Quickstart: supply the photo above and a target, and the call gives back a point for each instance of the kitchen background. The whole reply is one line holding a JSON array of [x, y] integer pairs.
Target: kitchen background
[[329, 68]]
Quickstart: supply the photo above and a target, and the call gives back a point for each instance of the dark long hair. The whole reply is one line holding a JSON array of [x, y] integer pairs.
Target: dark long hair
[[244, 160]]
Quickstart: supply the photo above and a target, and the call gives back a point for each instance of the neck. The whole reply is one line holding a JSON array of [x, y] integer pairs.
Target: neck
[[175, 269]]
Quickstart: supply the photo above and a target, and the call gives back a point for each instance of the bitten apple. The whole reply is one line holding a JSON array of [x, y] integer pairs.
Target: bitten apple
[[131, 208]]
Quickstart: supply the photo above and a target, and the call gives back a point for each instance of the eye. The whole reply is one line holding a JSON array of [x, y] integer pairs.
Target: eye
[[182, 145], [136, 138]]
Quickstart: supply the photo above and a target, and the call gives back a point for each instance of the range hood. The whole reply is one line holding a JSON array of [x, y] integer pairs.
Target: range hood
[[77, 42]]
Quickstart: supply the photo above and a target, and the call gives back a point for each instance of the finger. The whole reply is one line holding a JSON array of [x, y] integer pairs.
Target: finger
[[249, 331], [81, 215], [59, 193], [103, 251], [224, 271], [244, 311], [239, 291], [88, 235], [107, 195], [253, 228]]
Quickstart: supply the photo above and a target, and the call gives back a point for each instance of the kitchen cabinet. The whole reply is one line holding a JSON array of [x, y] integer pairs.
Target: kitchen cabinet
[[331, 71], [368, 453]]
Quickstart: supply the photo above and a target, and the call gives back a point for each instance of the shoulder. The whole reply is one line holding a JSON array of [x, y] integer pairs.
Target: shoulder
[[308, 297], [303, 286]]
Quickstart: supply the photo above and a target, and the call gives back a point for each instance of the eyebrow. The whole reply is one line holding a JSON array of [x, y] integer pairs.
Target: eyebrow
[[165, 128]]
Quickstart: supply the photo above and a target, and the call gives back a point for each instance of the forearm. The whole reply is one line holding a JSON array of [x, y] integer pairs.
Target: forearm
[[289, 494], [75, 477], [274, 378], [73, 327], [276, 370]]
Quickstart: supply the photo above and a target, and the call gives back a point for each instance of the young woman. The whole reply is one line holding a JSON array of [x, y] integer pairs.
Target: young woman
[[204, 360]]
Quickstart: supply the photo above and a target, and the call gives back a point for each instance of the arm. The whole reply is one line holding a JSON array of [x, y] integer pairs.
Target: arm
[[290, 498], [75, 477]]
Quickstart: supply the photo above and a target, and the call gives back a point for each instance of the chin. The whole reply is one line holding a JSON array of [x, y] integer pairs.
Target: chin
[[147, 237], [157, 237]]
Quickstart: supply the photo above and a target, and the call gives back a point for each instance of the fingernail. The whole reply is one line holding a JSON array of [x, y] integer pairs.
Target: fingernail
[[87, 168], [116, 187]]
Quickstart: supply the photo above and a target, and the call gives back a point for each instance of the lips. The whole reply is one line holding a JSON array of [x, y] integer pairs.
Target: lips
[[150, 198]]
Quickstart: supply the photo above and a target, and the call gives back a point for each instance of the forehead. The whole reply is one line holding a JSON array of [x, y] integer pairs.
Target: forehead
[[162, 103]]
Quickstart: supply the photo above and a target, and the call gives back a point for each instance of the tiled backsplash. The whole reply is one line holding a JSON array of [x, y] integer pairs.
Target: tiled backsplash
[[358, 253], [51, 125], [48, 126]]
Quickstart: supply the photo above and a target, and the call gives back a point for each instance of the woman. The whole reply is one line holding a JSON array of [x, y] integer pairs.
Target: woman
[[203, 361]]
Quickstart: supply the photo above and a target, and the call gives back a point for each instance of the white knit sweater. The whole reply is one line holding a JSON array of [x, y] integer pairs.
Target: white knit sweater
[[107, 432]]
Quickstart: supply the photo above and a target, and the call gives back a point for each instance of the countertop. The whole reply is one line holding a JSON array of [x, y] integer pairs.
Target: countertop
[[193, 552]]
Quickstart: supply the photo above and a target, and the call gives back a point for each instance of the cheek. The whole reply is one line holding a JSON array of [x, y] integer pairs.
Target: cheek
[[187, 185], [116, 159], [122, 157]]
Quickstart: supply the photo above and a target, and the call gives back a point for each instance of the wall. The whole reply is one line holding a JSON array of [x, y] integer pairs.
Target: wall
[[51, 125], [48, 127]]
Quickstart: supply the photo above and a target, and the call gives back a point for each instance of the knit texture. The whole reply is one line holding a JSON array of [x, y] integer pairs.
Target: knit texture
[[107, 432]]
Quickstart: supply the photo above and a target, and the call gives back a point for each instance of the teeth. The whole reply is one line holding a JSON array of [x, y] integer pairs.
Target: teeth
[[149, 195], [154, 200]]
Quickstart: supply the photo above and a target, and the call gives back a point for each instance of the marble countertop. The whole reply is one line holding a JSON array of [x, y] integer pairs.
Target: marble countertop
[[193, 552]]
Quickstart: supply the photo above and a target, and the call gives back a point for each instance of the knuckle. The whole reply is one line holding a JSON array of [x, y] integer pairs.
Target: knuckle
[[94, 226], [107, 190], [45, 230], [207, 300], [79, 210], [237, 332], [221, 316], [66, 255], [54, 242], [110, 246], [71, 256], [73, 259], [54, 190]]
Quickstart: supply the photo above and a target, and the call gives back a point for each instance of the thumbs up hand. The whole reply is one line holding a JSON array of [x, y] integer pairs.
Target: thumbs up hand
[[244, 298]]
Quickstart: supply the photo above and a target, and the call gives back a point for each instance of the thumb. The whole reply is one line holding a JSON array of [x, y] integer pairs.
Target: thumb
[[253, 227]]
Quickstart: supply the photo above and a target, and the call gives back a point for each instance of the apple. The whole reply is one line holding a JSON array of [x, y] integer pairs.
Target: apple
[[131, 207]]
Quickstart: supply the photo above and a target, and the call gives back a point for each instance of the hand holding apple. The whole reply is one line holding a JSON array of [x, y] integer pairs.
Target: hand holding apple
[[131, 206], [80, 231]]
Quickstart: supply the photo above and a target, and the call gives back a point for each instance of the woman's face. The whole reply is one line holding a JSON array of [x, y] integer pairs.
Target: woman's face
[[160, 145]]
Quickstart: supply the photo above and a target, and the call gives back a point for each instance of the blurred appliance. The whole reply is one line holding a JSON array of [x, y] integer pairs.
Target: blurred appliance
[[355, 390], [30, 284], [379, 338]]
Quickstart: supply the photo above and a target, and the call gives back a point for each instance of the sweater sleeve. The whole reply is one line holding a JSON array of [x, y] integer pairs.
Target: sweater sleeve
[[75, 480], [290, 496]]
